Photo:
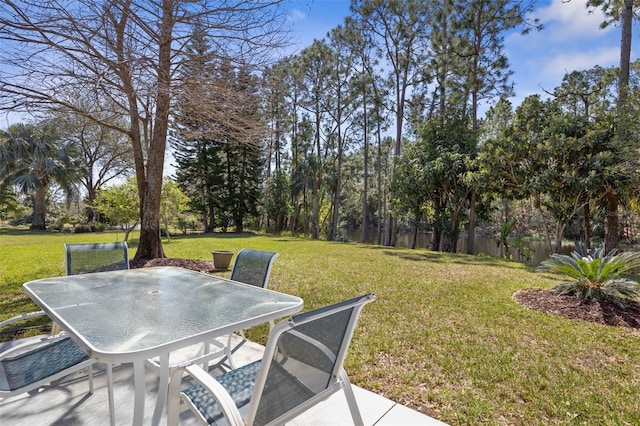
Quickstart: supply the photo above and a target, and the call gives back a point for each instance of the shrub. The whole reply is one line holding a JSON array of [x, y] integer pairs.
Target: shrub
[[82, 229], [596, 277]]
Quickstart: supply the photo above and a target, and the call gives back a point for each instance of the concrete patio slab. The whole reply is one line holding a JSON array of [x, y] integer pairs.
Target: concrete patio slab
[[68, 403]]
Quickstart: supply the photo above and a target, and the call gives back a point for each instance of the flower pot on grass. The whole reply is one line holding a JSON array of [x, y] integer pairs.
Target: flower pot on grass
[[222, 259]]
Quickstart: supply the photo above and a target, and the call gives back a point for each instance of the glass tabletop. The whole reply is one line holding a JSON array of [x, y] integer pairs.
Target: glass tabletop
[[141, 311]]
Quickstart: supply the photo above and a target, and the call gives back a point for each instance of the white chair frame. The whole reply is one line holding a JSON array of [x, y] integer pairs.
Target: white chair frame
[[232, 413]]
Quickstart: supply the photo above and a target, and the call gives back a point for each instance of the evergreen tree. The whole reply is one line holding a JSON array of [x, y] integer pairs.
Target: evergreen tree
[[218, 142]]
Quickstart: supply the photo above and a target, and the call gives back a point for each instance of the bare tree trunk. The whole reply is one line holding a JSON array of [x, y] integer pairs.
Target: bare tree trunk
[[435, 239], [150, 246], [391, 233], [379, 207], [364, 236], [333, 229], [317, 179], [127, 231], [400, 100], [611, 231], [546, 231], [559, 231], [239, 211], [336, 197], [471, 243], [538, 206], [91, 196], [315, 220], [453, 231], [38, 221], [587, 226], [626, 18], [414, 234]]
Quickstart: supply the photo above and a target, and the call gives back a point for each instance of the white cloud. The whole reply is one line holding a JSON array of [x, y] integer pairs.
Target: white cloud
[[571, 20], [545, 72], [556, 66], [571, 40], [296, 15], [565, 23]]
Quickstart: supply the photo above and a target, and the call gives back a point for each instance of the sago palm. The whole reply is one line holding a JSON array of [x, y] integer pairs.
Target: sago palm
[[596, 277]]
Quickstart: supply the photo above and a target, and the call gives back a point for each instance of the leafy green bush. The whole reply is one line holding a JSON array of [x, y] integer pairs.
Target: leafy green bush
[[82, 229], [596, 277], [100, 227]]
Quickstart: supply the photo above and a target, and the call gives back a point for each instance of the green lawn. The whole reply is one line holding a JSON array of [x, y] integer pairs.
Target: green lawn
[[444, 336]]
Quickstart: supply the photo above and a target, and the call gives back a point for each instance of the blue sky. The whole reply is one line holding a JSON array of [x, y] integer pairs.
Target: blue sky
[[571, 40]]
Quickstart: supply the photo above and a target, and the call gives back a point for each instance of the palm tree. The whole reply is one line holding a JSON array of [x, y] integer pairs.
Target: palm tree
[[32, 158]]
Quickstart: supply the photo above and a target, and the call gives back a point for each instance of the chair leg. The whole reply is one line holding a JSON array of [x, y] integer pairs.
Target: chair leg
[[351, 399], [90, 372], [205, 351], [230, 352], [173, 402], [112, 411]]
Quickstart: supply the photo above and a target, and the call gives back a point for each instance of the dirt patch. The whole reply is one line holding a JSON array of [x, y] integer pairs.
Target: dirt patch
[[568, 306]]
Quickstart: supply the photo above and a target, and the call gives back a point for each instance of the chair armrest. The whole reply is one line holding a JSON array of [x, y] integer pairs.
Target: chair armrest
[[218, 392], [16, 347], [154, 363], [21, 317]]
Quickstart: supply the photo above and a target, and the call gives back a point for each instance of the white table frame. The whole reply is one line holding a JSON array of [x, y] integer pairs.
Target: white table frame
[[72, 295]]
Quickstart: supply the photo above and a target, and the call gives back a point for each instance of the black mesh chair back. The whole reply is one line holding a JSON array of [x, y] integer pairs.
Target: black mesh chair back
[[96, 257], [253, 267], [307, 361]]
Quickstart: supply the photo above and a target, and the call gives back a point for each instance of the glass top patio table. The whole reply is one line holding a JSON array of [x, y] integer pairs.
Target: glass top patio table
[[136, 314]]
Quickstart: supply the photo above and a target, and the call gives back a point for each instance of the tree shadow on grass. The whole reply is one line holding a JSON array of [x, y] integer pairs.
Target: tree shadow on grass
[[18, 302], [11, 230], [448, 258]]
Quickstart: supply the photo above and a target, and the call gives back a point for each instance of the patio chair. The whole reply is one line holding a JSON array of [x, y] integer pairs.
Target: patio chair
[[86, 258], [96, 257], [253, 267], [301, 366], [89, 258], [29, 363]]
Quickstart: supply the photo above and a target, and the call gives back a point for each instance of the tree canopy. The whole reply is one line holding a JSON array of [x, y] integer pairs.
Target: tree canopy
[[129, 53]]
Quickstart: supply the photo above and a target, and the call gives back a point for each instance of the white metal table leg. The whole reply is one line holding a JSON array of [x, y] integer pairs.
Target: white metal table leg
[[140, 385], [163, 387], [112, 411]]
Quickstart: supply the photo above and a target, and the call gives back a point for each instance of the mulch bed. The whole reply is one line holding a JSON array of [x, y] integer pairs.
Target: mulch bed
[[196, 265], [568, 306]]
